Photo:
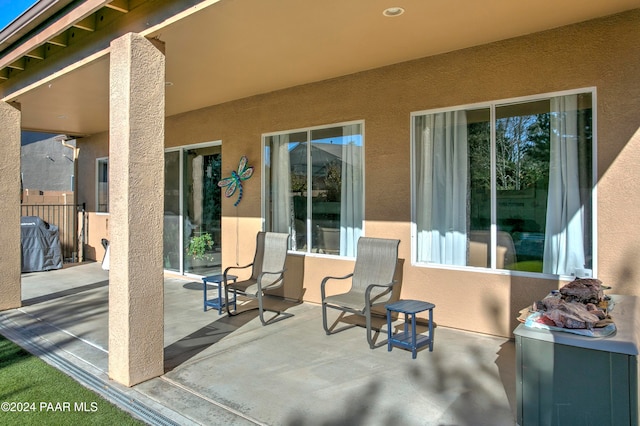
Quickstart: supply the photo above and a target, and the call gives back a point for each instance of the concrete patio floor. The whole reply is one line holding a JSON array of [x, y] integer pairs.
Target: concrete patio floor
[[234, 371]]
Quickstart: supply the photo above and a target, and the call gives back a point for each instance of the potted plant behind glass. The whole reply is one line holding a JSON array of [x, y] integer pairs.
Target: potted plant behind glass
[[199, 245]]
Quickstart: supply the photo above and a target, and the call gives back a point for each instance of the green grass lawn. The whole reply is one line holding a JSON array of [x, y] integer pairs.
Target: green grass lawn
[[34, 393]]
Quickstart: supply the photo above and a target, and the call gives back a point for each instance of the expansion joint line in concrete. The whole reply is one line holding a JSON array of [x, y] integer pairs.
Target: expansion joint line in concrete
[[106, 390], [212, 401], [100, 348]]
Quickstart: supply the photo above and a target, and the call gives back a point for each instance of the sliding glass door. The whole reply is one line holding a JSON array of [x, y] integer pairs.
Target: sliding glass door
[[172, 212], [192, 235]]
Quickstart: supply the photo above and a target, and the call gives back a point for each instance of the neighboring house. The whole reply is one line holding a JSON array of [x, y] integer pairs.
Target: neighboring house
[[499, 145], [48, 179], [47, 162]]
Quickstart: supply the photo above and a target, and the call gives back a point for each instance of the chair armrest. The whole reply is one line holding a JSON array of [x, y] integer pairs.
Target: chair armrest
[[260, 277], [226, 271], [326, 279], [370, 287]]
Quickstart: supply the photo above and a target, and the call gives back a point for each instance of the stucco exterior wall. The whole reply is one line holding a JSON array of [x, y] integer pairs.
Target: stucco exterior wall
[[604, 54], [48, 165], [136, 162], [96, 224], [10, 286]]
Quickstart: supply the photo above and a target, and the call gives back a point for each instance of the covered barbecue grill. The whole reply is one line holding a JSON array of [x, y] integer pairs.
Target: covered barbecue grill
[[40, 243]]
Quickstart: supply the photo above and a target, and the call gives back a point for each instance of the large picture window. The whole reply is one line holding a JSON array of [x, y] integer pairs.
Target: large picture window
[[314, 188], [507, 185]]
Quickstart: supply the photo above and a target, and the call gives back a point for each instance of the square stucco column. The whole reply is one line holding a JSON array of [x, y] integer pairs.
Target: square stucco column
[[136, 197], [10, 264]]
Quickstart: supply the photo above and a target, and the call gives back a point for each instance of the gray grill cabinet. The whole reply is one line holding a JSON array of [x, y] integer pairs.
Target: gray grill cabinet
[[567, 379], [40, 244]]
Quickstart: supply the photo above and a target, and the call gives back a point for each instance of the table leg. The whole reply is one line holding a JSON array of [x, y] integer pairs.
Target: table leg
[[413, 336], [389, 331], [204, 284], [220, 297], [406, 324], [430, 330]]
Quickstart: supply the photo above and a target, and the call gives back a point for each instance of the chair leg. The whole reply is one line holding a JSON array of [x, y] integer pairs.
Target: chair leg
[[372, 344], [226, 304], [367, 314], [279, 315], [333, 330], [324, 319], [260, 309]]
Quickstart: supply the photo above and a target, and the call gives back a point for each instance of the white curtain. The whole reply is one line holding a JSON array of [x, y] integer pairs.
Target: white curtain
[[197, 175], [281, 205], [441, 202], [564, 248], [351, 205]]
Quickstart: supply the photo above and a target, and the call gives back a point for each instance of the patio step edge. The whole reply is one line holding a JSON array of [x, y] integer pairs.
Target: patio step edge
[[127, 399]]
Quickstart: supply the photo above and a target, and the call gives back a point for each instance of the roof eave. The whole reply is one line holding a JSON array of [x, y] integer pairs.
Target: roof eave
[[29, 20]]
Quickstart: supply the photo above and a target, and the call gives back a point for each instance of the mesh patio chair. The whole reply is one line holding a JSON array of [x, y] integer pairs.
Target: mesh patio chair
[[267, 272], [372, 283]]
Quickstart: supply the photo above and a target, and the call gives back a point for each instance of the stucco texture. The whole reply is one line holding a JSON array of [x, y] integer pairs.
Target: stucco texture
[[604, 54], [96, 224], [136, 153], [10, 291]]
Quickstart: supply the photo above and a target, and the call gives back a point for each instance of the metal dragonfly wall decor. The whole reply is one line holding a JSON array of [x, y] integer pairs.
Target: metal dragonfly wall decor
[[234, 181]]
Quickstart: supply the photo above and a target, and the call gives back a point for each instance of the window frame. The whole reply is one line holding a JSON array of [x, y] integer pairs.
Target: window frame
[[181, 150], [492, 105], [309, 130], [100, 160]]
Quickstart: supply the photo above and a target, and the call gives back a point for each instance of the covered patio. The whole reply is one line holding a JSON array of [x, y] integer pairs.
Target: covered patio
[[143, 84], [233, 371]]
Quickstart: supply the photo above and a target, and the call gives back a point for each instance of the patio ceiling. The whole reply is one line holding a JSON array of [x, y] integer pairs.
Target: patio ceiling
[[229, 49]]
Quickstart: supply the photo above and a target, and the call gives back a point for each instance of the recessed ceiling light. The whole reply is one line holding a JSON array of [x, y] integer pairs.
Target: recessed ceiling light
[[393, 11]]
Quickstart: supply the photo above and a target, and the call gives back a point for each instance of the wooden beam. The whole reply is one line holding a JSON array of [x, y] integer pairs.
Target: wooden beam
[[19, 64], [119, 5], [37, 53], [83, 10], [87, 24], [4, 74], [59, 40]]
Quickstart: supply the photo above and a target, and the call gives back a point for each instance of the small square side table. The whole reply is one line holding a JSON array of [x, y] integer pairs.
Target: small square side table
[[408, 339], [218, 302]]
